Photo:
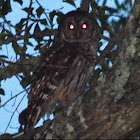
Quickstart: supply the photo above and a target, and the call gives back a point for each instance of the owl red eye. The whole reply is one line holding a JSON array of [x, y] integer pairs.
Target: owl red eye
[[72, 26], [84, 26]]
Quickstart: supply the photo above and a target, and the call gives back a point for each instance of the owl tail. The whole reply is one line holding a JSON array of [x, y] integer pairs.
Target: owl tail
[[34, 115], [31, 115], [29, 118]]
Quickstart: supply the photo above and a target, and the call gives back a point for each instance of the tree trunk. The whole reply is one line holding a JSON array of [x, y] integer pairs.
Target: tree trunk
[[111, 108]]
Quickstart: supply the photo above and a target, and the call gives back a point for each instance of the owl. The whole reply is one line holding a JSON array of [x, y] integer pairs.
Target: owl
[[65, 69]]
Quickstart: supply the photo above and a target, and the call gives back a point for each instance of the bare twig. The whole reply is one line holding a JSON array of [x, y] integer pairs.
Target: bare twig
[[13, 127], [7, 110], [13, 97], [14, 101], [26, 28], [6, 61], [14, 113], [44, 12]]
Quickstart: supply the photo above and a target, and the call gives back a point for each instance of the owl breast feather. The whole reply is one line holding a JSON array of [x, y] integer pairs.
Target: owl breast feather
[[61, 76]]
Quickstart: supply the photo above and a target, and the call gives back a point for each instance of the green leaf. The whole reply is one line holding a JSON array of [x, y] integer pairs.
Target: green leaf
[[94, 7], [39, 11], [44, 22], [123, 7], [2, 36], [117, 3], [60, 17], [37, 34], [104, 2], [19, 1], [29, 28], [21, 23], [26, 81], [29, 11], [6, 8], [30, 43], [47, 32], [51, 15], [71, 2], [37, 29], [2, 91], [85, 5]]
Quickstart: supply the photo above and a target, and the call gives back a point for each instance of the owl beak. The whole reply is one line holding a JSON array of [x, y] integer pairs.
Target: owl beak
[[78, 34]]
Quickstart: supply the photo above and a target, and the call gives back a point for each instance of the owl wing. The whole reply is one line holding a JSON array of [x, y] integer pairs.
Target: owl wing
[[61, 75]]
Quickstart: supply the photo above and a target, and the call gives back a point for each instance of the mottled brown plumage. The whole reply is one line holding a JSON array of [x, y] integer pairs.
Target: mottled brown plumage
[[66, 68]]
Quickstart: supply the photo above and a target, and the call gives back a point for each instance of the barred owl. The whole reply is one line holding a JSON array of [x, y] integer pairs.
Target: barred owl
[[65, 69]]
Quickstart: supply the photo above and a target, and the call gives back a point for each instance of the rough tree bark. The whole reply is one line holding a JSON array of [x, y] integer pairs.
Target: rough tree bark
[[111, 108]]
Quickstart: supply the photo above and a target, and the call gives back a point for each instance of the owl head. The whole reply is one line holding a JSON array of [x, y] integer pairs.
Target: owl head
[[77, 27]]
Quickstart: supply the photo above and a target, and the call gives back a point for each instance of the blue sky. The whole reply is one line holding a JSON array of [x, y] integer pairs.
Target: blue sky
[[11, 86]]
